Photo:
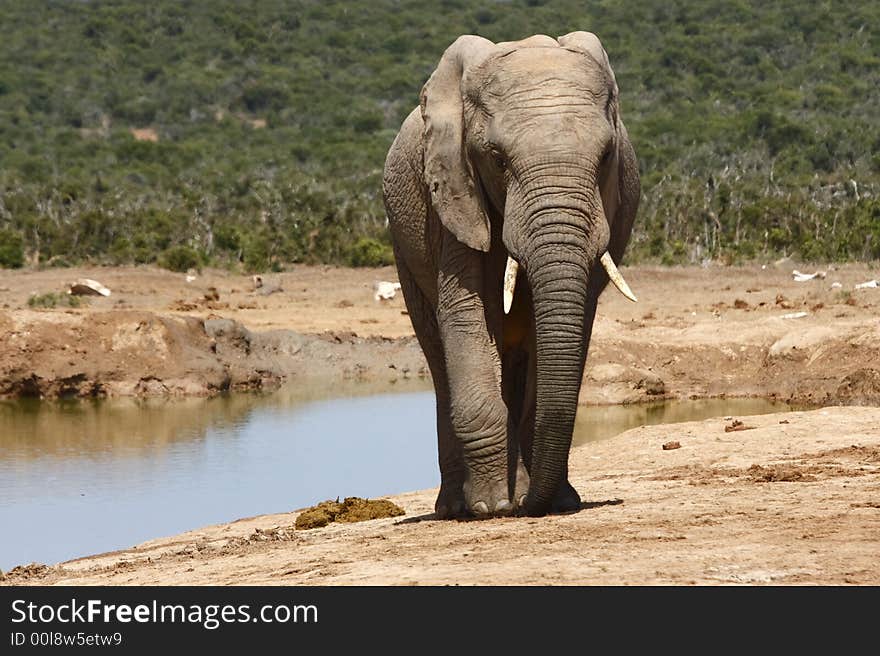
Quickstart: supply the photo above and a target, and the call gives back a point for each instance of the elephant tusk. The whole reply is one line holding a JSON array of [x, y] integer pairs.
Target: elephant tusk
[[616, 278], [510, 272]]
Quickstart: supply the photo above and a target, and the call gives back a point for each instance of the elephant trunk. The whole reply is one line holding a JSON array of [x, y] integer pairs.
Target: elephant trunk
[[557, 268]]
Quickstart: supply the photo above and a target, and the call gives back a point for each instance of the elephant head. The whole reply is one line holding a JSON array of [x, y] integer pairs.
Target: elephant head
[[524, 140]]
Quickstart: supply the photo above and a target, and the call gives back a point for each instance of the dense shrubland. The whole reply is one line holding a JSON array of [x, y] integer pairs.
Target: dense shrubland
[[263, 124]]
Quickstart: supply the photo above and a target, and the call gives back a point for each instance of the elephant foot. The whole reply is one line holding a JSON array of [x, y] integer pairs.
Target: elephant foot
[[450, 501], [521, 487], [485, 499], [566, 500]]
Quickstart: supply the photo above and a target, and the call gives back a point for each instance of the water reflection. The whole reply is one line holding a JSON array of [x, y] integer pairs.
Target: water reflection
[[601, 422], [32, 429], [85, 477]]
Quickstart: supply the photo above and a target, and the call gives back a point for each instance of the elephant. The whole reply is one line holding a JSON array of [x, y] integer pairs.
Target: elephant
[[510, 193]]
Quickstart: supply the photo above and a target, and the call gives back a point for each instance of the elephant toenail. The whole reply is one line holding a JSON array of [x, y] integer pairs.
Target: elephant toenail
[[503, 506], [480, 508]]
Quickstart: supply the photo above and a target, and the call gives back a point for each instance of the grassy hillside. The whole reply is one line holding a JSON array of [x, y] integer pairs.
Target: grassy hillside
[[262, 125]]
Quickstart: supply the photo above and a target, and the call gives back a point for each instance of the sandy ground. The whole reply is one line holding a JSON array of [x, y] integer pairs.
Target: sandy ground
[[696, 332], [793, 502]]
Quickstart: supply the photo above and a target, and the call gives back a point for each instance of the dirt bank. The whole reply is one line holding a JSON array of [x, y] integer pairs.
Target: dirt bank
[[791, 500], [139, 353], [696, 332]]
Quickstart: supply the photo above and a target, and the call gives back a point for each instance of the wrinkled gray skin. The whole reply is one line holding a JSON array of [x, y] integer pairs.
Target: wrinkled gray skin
[[517, 148]]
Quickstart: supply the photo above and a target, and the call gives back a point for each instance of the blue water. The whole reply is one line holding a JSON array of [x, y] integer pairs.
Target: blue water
[[78, 478], [80, 498]]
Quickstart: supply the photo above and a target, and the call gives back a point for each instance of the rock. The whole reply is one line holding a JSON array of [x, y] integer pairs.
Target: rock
[[385, 291], [619, 384], [800, 340], [669, 446], [804, 277], [88, 287], [230, 332], [782, 302], [650, 382], [264, 287], [737, 425], [860, 387]]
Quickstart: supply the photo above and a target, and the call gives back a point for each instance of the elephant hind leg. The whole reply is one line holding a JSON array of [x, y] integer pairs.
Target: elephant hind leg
[[520, 425], [450, 501], [518, 364]]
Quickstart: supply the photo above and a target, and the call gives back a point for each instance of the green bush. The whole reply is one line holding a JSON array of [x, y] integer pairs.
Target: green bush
[[11, 249], [255, 253], [748, 112], [51, 300], [180, 259], [227, 238], [368, 252]]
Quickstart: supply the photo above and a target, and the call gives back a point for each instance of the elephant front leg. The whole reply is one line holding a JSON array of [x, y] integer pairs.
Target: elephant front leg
[[450, 500], [478, 413]]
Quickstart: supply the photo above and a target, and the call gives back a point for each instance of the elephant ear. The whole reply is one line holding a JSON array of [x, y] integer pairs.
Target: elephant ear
[[609, 178], [448, 171]]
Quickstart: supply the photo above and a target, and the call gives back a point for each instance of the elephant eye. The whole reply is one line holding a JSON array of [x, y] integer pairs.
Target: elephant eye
[[498, 156]]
